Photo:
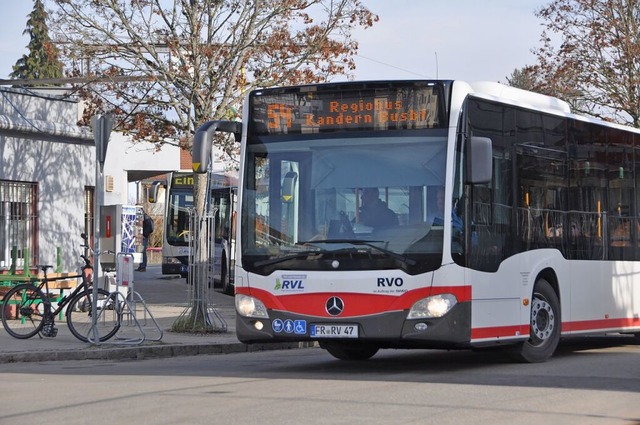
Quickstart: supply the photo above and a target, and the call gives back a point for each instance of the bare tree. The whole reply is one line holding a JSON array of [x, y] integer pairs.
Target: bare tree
[[590, 57], [185, 62]]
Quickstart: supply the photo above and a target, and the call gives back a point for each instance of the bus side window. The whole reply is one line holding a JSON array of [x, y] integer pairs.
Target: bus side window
[[624, 229]]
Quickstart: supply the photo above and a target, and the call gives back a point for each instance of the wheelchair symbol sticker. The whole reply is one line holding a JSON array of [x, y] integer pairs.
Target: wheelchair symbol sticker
[[300, 327]]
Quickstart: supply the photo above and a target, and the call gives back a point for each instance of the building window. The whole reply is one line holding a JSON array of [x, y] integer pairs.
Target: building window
[[18, 223]]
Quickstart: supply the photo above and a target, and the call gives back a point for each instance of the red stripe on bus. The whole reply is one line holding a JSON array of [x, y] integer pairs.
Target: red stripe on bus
[[601, 324], [355, 304], [500, 332], [630, 323]]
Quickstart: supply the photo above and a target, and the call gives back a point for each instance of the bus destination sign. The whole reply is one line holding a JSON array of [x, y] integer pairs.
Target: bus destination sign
[[296, 111], [185, 181]]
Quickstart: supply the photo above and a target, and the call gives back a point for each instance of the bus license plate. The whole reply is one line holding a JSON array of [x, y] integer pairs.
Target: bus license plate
[[334, 331]]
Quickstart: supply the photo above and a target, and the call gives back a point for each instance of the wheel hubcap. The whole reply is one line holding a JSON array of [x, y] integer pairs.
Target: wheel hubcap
[[542, 319]]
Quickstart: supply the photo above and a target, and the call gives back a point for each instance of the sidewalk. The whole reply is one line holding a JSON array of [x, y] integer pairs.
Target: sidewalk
[[66, 347]]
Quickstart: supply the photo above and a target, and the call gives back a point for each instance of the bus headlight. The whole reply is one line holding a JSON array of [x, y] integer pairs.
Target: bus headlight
[[171, 260], [432, 307], [250, 307]]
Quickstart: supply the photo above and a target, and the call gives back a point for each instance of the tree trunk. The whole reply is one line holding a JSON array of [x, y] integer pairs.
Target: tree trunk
[[197, 318]]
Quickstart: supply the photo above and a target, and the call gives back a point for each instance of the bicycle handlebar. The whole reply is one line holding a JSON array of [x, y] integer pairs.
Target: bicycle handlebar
[[87, 262]]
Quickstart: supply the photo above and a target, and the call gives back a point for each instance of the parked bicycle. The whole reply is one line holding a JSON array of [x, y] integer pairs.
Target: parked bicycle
[[27, 308]]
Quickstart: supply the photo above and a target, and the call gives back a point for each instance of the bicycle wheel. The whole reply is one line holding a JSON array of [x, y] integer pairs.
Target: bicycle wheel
[[79, 315], [23, 311]]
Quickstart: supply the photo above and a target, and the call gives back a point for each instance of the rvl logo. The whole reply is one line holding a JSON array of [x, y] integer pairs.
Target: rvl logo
[[287, 284], [292, 284]]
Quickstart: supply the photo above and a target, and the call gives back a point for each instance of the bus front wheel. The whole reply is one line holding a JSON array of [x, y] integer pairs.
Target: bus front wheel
[[349, 351], [544, 325]]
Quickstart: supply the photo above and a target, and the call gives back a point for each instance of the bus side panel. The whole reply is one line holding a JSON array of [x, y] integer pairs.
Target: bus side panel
[[501, 300], [606, 296]]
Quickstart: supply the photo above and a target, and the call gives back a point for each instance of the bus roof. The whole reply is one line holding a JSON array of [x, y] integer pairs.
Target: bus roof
[[532, 99]]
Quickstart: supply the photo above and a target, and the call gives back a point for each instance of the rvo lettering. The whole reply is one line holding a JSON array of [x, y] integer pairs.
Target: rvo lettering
[[390, 281], [292, 284]]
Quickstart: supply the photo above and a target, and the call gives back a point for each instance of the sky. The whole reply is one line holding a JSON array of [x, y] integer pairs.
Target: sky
[[473, 40]]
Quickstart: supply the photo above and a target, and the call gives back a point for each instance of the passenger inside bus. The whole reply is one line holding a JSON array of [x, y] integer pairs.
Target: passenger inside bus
[[625, 234], [436, 218], [621, 235], [621, 223], [374, 212]]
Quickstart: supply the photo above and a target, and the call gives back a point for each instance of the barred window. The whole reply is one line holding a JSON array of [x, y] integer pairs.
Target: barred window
[[18, 223]]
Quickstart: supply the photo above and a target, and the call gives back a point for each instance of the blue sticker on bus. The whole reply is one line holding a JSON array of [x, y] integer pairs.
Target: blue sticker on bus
[[300, 327], [288, 326], [277, 326]]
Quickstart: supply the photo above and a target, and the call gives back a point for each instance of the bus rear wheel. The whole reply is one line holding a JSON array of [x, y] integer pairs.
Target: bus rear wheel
[[349, 351], [544, 326]]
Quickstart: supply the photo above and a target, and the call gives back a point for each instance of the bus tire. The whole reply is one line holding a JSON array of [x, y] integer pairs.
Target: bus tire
[[227, 287], [545, 325], [350, 351]]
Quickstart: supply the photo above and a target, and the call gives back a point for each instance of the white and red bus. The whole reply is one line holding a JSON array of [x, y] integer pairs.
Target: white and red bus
[[542, 237]]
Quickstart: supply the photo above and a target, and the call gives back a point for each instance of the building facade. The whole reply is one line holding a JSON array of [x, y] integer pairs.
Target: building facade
[[48, 174]]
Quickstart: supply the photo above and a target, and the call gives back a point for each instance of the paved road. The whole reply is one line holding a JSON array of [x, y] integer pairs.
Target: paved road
[[157, 288], [594, 381]]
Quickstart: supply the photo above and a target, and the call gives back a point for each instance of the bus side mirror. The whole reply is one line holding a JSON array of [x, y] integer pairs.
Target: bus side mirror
[[204, 138], [289, 186], [153, 193], [479, 160]]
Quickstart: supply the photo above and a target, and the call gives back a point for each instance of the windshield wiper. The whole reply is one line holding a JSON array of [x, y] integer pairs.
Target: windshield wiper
[[301, 254], [394, 255]]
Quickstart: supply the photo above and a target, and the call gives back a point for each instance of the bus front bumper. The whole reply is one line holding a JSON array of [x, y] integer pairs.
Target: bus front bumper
[[387, 330], [174, 265]]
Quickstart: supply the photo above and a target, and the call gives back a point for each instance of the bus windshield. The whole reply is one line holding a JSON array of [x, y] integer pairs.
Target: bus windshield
[[374, 200], [177, 219], [180, 201]]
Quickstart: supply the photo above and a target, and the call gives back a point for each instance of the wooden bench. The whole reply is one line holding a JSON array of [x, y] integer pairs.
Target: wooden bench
[[60, 284]]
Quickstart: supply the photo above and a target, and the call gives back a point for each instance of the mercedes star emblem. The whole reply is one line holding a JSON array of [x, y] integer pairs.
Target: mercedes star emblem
[[334, 306]]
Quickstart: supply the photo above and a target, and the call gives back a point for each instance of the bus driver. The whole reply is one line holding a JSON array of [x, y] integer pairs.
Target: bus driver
[[374, 212]]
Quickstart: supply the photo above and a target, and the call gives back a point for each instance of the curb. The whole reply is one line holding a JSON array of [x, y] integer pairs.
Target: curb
[[145, 352]]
